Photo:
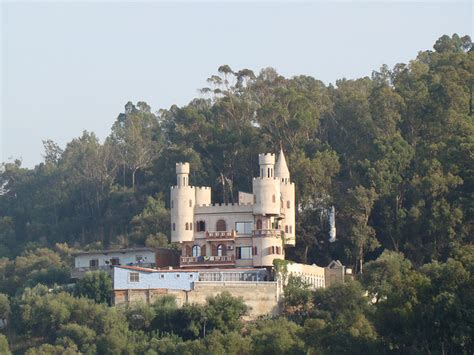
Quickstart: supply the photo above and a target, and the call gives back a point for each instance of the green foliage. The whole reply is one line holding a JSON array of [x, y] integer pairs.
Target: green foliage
[[41, 265], [96, 285], [140, 315], [5, 309], [340, 324], [4, 348], [224, 313], [392, 153], [297, 298], [152, 225], [278, 336]]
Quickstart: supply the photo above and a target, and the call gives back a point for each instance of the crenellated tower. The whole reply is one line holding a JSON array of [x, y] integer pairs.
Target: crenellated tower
[[266, 188], [183, 199], [287, 189]]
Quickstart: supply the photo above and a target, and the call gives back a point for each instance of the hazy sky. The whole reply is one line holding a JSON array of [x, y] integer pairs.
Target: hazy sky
[[72, 66]]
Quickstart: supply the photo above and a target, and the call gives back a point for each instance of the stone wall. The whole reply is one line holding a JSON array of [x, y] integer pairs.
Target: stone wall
[[262, 297]]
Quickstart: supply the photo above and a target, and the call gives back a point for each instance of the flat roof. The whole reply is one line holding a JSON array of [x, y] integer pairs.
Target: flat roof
[[144, 269]]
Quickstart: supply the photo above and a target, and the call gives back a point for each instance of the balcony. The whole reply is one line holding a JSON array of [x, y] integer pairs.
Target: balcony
[[223, 235], [276, 233], [224, 260]]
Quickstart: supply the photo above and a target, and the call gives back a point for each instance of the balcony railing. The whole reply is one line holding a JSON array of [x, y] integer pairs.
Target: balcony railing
[[267, 233], [221, 235], [207, 260]]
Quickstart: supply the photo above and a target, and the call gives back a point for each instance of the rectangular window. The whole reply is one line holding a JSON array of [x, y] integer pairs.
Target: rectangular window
[[114, 261], [134, 277], [243, 227], [244, 253], [94, 263]]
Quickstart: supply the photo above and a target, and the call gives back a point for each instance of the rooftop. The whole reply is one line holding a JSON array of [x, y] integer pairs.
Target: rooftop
[[114, 251]]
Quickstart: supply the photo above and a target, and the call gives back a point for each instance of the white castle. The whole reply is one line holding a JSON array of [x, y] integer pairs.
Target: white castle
[[250, 233]]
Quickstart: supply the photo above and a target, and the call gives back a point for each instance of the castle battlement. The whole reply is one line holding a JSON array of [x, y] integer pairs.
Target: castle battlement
[[202, 187], [222, 208], [182, 168], [266, 178], [181, 187], [266, 159], [225, 204]]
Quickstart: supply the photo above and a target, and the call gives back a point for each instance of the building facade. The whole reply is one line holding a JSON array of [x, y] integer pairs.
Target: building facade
[[105, 259], [251, 233]]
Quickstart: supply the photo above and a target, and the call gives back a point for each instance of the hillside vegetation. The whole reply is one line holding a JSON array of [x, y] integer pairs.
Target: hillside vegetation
[[394, 153]]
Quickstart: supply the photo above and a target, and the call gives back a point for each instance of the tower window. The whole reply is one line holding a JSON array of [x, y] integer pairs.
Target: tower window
[[190, 203], [286, 229], [221, 226], [191, 226], [200, 226], [259, 224], [186, 226], [254, 198], [291, 229], [174, 226], [172, 204], [288, 204], [273, 199]]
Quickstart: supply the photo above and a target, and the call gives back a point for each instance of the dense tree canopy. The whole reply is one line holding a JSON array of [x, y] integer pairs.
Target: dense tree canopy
[[392, 152]]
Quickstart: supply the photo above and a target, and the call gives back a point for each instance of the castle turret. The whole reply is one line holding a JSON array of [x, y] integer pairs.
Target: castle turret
[[266, 188], [183, 199], [287, 189]]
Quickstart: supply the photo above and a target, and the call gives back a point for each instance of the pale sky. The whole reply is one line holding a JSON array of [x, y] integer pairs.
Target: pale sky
[[71, 66]]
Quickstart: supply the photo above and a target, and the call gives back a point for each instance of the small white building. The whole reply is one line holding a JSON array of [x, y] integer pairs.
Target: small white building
[[139, 278], [106, 259]]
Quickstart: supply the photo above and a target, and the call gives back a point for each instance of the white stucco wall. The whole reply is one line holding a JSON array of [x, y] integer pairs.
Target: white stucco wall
[[312, 274], [124, 258], [173, 280]]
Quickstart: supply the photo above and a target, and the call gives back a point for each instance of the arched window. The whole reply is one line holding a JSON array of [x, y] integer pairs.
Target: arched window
[[221, 250], [259, 224], [190, 226], [174, 226], [190, 203], [288, 204], [273, 199], [186, 226], [286, 229], [200, 226], [221, 226], [196, 250]]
